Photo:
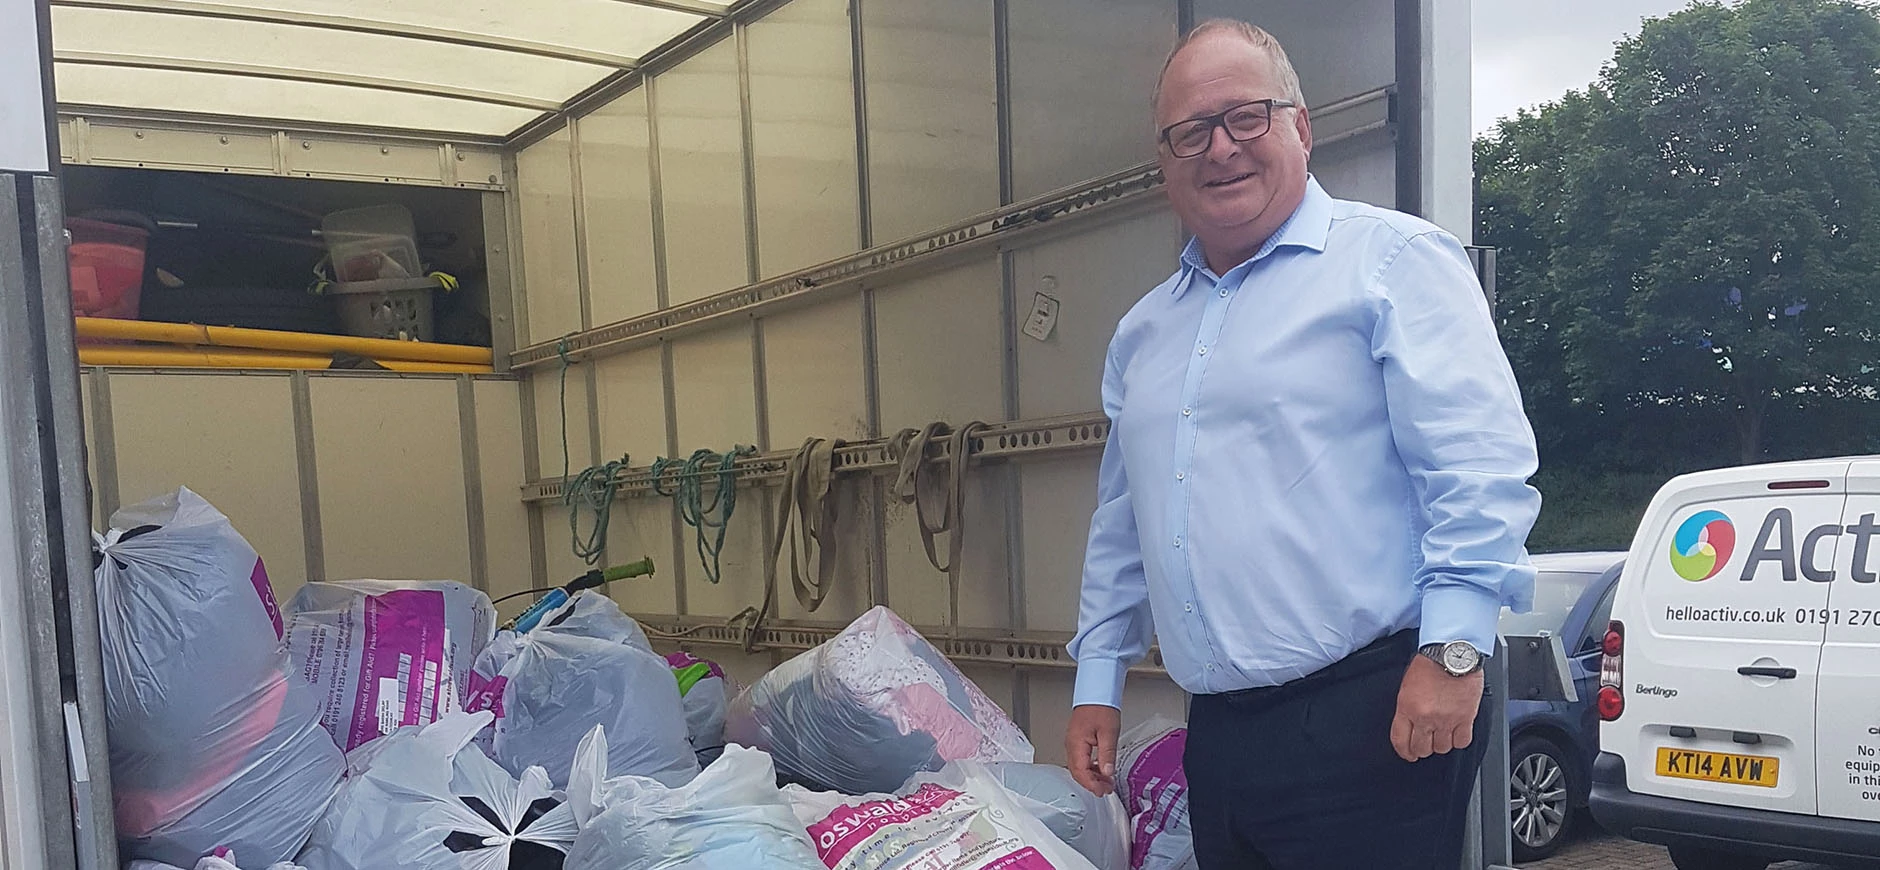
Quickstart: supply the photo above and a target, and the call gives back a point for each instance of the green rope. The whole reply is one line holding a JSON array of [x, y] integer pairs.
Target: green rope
[[707, 517], [593, 489]]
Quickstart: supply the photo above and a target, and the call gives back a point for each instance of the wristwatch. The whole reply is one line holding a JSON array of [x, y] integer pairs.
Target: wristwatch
[[1459, 658]]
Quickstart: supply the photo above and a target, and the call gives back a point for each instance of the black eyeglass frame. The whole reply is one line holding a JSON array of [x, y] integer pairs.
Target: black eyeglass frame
[[1219, 119]]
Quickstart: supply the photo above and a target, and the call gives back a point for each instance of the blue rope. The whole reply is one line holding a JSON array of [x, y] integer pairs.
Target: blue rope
[[708, 518]]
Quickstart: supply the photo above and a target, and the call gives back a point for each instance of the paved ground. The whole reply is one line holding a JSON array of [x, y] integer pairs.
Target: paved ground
[[1594, 849]]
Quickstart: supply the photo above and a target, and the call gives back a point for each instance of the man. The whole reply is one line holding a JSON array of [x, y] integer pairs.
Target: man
[[1314, 493]]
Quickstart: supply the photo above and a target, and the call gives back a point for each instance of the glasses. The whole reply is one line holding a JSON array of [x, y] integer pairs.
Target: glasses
[[1243, 123]]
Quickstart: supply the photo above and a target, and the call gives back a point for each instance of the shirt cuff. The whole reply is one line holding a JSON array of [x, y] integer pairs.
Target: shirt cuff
[[1099, 682], [1452, 613]]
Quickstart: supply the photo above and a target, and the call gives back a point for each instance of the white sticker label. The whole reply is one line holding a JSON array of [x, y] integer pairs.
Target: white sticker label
[[391, 705], [1043, 317]]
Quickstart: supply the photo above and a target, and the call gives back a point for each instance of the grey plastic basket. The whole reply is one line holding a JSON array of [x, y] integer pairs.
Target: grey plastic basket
[[398, 308]]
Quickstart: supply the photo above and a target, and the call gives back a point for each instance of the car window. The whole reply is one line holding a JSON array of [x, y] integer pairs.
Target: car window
[[1595, 632], [1555, 594]]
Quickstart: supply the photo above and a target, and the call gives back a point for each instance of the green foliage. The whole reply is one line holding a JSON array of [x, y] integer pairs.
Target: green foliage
[[1591, 511], [1690, 248]]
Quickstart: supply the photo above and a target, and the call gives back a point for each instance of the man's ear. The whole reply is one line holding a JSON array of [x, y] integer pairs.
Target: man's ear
[[1302, 119]]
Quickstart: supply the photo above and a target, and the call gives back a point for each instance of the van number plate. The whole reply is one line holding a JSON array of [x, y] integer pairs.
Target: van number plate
[[1722, 767]]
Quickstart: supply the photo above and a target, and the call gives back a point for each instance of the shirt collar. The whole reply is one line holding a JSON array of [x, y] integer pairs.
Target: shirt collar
[[1307, 227]]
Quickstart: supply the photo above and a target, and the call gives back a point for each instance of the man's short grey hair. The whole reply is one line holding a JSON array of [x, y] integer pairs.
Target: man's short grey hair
[[1259, 37]]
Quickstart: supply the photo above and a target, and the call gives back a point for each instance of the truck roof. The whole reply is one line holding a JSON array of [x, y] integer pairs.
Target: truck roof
[[428, 66]]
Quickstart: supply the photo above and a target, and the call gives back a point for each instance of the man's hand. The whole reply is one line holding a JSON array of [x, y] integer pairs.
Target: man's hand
[[1435, 711], [1090, 747]]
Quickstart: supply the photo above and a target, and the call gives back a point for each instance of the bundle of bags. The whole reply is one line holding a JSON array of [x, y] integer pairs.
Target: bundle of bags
[[377, 724], [230, 722], [213, 744], [733, 815], [895, 759], [867, 709]]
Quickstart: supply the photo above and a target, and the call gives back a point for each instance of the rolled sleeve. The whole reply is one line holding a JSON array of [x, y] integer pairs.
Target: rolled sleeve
[[1456, 416]]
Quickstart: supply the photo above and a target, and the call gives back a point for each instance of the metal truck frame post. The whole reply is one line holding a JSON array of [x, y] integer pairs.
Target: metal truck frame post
[[55, 791]]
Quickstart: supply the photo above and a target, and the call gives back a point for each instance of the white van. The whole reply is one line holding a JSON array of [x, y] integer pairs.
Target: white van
[[1740, 686]]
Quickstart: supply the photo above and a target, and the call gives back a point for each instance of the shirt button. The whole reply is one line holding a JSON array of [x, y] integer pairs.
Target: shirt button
[[1210, 667], [1223, 294], [1181, 475], [1190, 607], [1203, 350], [1178, 543], [1186, 412]]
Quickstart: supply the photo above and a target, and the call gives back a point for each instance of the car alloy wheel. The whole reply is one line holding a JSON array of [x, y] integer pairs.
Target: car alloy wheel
[[1540, 803]]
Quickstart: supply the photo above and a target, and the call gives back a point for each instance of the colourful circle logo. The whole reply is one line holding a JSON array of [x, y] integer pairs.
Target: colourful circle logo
[[1702, 545]]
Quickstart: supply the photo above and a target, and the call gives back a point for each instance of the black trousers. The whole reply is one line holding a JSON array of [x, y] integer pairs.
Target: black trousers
[[1303, 777]]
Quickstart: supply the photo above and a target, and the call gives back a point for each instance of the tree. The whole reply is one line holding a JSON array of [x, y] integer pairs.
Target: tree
[[1699, 229]]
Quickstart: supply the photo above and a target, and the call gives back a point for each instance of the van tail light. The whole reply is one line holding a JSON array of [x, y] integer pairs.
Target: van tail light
[[1611, 698]]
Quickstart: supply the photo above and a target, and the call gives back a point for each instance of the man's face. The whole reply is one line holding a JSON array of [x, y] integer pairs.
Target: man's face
[[1236, 194]]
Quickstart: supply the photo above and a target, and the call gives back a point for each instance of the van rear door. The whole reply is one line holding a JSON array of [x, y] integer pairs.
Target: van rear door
[[1721, 652], [1848, 712]]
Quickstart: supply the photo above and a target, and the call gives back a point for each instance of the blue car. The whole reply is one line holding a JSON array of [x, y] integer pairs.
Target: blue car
[[1551, 744]]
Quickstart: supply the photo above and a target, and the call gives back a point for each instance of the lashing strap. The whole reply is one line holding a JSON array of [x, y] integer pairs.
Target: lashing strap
[[914, 484]]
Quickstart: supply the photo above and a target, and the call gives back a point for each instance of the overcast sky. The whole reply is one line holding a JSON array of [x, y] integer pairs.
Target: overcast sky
[[1531, 51]]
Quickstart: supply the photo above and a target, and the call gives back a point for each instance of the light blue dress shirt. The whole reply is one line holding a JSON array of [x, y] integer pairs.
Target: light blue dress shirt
[[1319, 448]]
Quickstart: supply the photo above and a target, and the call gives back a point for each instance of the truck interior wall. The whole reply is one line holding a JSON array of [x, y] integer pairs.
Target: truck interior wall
[[229, 437], [702, 193], [617, 199], [545, 205], [391, 478], [1081, 76], [495, 423], [328, 475], [802, 120], [932, 112]]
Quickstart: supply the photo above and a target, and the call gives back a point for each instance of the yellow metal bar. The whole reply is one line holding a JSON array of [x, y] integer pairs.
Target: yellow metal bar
[[244, 358], [269, 339]]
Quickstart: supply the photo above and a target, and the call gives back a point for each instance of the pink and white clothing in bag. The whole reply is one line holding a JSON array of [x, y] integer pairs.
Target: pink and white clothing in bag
[[962, 819], [869, 708], [386, 654]]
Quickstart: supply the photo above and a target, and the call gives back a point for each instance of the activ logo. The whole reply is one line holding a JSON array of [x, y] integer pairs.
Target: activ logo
[[1702, 545]]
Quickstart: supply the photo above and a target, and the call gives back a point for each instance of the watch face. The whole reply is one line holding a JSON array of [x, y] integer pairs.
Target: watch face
[[1460, 657]]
